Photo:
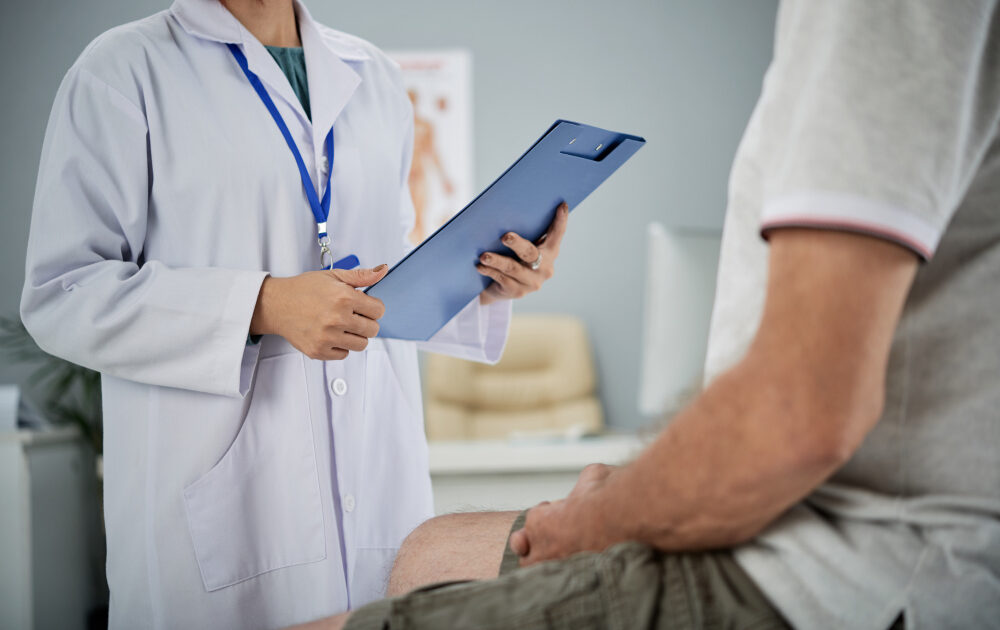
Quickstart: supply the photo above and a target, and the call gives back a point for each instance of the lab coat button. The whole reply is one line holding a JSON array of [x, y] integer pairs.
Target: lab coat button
[[349, 503], [338, 386], [324, 164]]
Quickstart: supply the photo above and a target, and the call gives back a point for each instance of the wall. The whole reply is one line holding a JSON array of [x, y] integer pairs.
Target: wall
[[683, 74]]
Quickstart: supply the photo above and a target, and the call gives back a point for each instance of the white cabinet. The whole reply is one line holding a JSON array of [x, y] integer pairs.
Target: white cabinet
[[51, 545]]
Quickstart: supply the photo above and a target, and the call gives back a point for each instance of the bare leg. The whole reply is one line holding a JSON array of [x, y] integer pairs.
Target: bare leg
[[452, 547]]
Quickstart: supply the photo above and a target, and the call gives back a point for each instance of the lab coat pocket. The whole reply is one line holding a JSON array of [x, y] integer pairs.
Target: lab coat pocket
[[258, 509]]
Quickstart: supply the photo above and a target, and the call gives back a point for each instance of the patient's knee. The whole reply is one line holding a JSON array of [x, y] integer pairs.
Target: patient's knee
[[451, 547]]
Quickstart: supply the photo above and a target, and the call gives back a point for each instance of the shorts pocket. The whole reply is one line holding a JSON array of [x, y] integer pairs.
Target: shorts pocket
[[258, 509]]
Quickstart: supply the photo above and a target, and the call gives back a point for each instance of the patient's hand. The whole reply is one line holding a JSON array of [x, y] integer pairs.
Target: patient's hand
[[591, 478], [559, 529]]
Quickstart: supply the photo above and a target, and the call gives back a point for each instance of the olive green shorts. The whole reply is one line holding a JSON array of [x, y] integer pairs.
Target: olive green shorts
[[629, 586]]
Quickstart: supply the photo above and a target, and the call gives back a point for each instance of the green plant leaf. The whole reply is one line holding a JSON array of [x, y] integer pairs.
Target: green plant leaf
[[72, 393]]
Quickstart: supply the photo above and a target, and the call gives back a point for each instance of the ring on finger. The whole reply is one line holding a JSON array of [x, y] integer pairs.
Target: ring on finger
[[538, 263]]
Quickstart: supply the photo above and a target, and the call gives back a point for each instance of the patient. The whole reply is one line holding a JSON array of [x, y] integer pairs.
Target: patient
[[842, 467]]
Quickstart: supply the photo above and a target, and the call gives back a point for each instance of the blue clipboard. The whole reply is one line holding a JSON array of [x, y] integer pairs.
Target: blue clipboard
[[428, 287]]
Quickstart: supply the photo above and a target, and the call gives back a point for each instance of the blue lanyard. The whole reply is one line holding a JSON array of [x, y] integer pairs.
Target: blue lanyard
[[320, 207]]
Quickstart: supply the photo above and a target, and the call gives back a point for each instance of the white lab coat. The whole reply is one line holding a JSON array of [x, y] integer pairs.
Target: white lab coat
[[246, 486]]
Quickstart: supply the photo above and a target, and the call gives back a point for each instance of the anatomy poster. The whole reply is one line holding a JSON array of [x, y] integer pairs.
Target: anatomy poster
[[439, 84]]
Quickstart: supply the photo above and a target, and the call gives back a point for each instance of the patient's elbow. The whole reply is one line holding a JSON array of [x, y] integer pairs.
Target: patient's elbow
[[835, 435], [831, 451]]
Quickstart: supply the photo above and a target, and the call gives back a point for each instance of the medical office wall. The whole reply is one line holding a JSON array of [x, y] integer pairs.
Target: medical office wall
[[683, 74]]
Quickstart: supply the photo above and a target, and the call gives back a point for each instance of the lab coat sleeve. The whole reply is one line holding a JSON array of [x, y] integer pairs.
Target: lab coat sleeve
[[477, 333], [89, 296]]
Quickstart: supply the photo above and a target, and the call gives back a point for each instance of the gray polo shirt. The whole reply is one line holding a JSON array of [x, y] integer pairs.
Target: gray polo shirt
[[881, 117]]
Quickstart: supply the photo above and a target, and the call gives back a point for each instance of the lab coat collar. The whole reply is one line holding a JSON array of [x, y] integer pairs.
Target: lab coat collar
[[209, 19], [335, 42], [332, 80]]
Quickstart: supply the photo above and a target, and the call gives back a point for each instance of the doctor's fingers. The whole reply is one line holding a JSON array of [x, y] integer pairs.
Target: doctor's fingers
[[328, 354], [509, 287], [531, 278], [557, 229], [367, 306], [521, 246], [349, 341], [360, 277], [361, 326]]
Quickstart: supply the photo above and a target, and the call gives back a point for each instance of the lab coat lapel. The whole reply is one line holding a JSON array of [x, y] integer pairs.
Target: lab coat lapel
[[266, 68], [208, 19], [332, 81]]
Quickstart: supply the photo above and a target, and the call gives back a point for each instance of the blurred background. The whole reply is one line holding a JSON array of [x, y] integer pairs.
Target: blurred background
[[684, 75]]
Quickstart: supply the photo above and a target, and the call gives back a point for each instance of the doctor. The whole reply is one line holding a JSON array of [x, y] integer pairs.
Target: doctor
[[249, 482]]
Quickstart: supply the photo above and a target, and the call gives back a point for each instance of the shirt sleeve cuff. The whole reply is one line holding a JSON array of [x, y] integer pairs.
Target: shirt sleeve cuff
[[238, 360], [477, 333], [851, 213]]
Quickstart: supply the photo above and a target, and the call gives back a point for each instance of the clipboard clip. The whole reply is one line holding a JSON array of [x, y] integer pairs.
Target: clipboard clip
[[595, 152]]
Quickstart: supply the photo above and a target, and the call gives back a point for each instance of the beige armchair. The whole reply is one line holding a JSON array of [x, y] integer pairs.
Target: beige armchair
[[544, 384]]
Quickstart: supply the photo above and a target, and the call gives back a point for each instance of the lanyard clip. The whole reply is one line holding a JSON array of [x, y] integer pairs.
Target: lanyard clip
[[325, 255]]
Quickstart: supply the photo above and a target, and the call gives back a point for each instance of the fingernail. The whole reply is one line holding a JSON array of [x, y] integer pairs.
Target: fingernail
[[379, 268], [564, 207], [508, 238], [485, 258]]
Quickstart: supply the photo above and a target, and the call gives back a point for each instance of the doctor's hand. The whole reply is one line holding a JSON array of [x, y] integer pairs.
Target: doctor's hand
[[574, 524], [514, 276], [321, 313]]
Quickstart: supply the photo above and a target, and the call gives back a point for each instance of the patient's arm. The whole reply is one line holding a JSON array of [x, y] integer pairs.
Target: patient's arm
[[769, 430]]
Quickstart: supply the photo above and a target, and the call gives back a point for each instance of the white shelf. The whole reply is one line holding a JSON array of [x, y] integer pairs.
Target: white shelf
[[50, 532], [530, 456]]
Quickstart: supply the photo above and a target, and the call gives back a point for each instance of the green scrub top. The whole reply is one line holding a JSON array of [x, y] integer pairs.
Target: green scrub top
[[292, 62]]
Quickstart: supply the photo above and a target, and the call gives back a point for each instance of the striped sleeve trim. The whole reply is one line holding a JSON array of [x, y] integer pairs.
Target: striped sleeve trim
[[851, 213]]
